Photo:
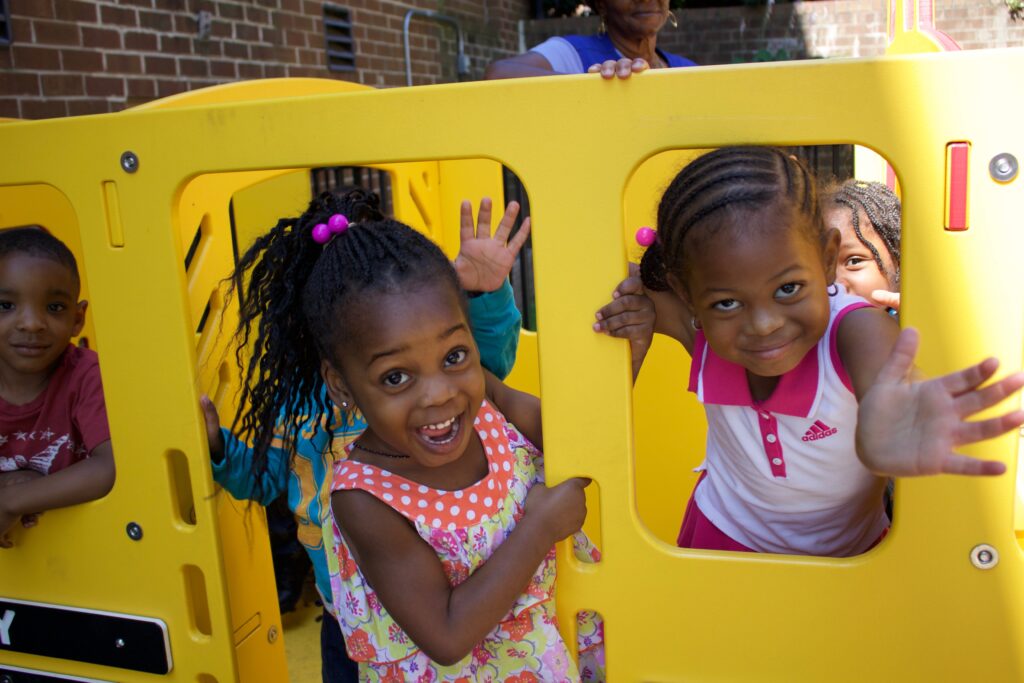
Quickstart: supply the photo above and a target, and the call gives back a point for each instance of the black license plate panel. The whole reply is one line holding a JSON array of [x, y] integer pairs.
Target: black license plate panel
[[83, 635]]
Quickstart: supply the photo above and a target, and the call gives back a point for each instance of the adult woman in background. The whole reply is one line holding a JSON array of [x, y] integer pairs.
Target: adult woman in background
[[626, 44]]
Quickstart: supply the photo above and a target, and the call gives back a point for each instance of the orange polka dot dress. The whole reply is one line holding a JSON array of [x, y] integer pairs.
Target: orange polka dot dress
[[464, 528]]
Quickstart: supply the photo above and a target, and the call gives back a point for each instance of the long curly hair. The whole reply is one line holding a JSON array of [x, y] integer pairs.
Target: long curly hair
[[295, 294]]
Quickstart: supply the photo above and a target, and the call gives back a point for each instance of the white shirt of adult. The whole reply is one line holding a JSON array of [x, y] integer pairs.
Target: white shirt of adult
[[562, 56]]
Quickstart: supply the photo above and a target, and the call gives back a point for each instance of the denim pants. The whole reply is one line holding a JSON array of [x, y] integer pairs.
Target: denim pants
[[335, 664]]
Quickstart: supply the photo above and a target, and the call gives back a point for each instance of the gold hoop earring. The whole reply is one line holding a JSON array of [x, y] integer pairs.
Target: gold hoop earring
[[672, 19], [601, 28], [694, 323]]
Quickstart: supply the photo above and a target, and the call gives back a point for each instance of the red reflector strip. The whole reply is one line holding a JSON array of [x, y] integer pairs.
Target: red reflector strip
[[957, 156]]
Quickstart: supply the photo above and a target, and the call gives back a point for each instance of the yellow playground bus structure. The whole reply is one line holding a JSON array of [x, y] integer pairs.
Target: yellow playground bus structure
[[164, 579]]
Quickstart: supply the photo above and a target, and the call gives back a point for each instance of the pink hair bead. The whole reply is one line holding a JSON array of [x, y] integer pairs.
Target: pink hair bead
[[337, 223], [321, 233], [645, 237]]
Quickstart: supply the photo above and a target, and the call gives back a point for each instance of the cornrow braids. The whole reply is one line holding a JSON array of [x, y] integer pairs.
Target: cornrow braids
[[746, 177], [294, 303], [882, 207]]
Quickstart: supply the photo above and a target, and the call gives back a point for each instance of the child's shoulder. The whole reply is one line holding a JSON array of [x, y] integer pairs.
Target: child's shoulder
[[491, 423], [78, 367], [80, 358], [862, 338], [503, 440]]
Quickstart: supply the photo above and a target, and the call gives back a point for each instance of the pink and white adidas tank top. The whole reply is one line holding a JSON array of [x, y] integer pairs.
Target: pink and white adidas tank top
[[783, 475]]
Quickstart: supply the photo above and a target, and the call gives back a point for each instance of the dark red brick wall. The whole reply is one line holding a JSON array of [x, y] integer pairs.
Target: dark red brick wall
[[71, 57]]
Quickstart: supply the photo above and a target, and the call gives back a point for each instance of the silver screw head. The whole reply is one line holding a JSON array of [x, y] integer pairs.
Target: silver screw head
[[129, 162], [134, 531], [119, 643], [1003, 167], [272, 634], [984, 556]]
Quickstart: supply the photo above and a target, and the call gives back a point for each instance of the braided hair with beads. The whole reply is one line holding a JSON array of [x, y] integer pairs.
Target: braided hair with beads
[[882, 207], [294, 303], [745, 177]]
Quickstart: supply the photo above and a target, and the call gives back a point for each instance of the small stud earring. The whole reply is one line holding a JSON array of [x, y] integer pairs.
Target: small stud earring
[[344, 405]]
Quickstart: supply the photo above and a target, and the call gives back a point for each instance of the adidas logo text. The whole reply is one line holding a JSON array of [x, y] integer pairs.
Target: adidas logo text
[[818, 430]]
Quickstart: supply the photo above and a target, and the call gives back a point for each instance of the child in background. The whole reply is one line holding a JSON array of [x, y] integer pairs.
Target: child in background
[[867, 216], [54, 439], [804, 409], [444, 528], [310, 431]]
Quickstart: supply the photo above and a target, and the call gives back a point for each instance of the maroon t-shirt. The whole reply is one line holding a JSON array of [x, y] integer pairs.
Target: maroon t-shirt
[[60, 426]]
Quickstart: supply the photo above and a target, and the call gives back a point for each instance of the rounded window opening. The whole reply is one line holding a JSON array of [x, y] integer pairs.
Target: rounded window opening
[[755, 450]]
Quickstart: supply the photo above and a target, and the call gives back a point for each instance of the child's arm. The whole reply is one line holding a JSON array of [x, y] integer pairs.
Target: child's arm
[[483, 265], [446, 622], [909, 426], [231, 461], [495, 323], [673, 318], [81, 482], [633, 315]]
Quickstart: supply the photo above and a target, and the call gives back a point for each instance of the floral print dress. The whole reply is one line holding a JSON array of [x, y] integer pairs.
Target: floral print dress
[[464, 528]]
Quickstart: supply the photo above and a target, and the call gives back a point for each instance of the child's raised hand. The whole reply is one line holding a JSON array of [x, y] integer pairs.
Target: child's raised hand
[[884, 297], [630, 315], [213, 434], [907, 428], [485, 260], [560, 509]]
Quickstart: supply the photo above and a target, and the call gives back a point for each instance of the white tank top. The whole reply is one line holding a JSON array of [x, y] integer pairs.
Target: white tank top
[[783, 475]]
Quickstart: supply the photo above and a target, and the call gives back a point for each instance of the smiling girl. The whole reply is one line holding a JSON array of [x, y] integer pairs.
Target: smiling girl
[[804, 411], [444, 530], [867, 217]]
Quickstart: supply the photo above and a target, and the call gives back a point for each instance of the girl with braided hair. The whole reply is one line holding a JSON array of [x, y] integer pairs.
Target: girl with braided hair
[[442, 535], [806, 388], [286, 442], [867, 216]]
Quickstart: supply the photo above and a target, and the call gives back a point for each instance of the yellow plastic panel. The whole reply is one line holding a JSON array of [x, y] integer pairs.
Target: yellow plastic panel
[[668, 421], [205, 242], [913, 609], [258, 206]]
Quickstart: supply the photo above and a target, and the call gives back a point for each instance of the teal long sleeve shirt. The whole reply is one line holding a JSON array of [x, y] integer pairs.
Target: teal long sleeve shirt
[[306, 477]]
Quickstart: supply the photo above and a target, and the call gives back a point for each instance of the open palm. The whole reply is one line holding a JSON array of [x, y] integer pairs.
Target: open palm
[[485, 260], [907, 428]]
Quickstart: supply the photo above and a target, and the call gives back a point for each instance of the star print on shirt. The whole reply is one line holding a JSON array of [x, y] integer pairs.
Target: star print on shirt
[[21, 436], [3, 439]]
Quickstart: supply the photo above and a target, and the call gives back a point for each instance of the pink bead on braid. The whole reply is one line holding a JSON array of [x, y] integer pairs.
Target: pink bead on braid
[[335, 225], [645, 237]]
